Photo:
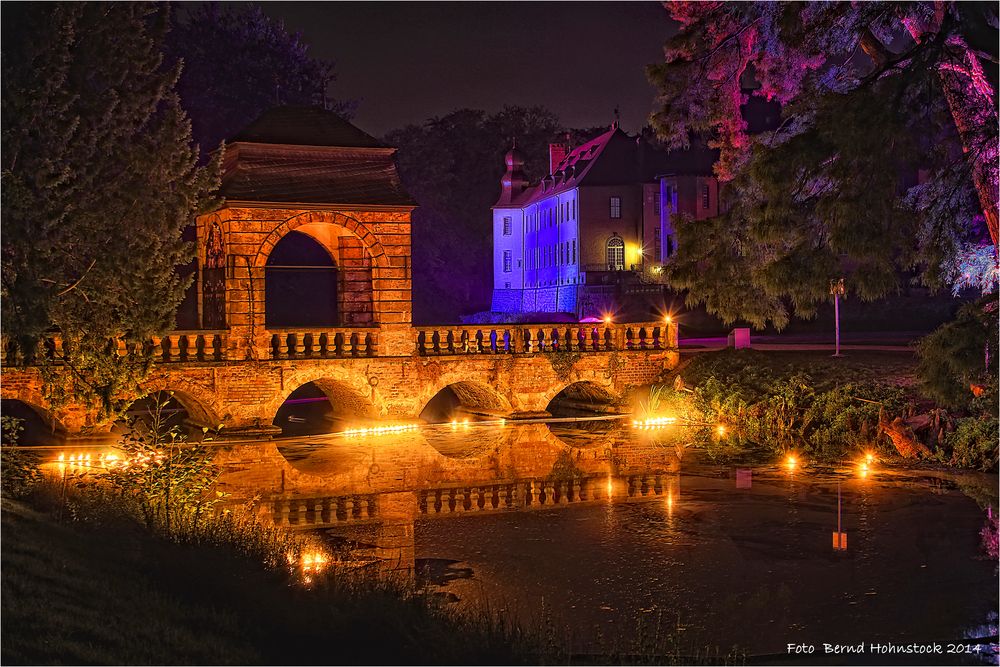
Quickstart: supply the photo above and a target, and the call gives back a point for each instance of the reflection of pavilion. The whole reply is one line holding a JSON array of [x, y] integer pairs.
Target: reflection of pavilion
[[387, 483], [372, 490]]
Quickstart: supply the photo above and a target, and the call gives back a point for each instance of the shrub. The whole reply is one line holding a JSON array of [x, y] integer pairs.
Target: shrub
[[19, 470], [973, 443]]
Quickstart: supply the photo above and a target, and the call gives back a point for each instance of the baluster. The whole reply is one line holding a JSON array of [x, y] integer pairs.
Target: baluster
[[364, 508], [594, 345], [565, 492], [300, 344], [493, 341], [175, 347], [529, 341], [507, 342], [464, 342], [370, 344], [459, 500], [355, 344], [474, 493], [450, 342], [477, 346], [629, 342], [348, 508], [608, 344], [436, 341], [529, 493], [548, 488], [541, 341], [347, 344]]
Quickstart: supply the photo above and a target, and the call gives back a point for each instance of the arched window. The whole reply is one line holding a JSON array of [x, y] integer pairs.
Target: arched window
[[616, 254], [301, 284]]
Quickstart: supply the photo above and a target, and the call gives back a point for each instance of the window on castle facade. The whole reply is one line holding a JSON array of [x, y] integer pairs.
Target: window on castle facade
[[574, 251], [656, 242], [507, 226], [656, 203], [616, 207], [616, 254], [704, 196], [507, 261]]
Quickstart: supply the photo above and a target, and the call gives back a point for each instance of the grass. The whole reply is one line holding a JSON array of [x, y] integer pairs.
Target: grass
[[827, 372], [110, 592]]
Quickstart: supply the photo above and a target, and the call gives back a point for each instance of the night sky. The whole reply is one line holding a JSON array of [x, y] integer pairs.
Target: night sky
[[407, 62]]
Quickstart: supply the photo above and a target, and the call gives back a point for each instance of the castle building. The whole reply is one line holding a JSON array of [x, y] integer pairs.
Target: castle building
[[601, 219]]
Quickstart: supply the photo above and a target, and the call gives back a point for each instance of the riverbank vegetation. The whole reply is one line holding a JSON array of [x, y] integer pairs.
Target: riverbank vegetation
[[144, 564], [775, 403]]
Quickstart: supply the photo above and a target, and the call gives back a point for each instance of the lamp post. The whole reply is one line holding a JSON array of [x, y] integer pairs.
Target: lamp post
[[837, 290]]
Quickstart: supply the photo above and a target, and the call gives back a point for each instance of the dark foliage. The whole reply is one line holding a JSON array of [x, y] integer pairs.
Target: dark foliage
[[99, 179], [239, 62]]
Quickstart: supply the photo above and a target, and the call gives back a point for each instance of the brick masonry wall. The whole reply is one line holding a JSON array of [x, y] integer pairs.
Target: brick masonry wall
[[245, 396]]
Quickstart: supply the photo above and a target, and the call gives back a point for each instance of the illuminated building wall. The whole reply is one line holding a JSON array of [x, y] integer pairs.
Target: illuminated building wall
[[595, 221]]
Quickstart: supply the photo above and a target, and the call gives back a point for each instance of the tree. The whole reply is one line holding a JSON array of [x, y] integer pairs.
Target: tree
[[452, 166], [882, 163], [239, 62], [99, 179]]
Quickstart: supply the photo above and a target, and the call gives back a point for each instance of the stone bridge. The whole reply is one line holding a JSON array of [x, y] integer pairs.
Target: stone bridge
[[369, 376], [304, 275]]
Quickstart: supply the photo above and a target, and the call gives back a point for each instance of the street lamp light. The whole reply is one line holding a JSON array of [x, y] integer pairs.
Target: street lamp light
[[837, 290]]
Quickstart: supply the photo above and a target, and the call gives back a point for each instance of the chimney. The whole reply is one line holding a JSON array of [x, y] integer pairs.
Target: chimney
[[557, 153]]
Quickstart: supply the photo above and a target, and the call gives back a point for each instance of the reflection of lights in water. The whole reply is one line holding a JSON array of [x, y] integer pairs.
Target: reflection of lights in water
[[611, 488], [791, 461], [863, 470], [670, 502], [653, 422], [380, 430]]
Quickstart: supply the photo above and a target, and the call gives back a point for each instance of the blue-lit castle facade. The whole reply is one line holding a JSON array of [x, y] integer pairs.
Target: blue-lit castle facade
[[599, 225]]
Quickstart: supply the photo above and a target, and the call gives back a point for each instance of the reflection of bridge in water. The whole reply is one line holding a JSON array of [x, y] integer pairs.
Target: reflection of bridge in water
[[374, 490]]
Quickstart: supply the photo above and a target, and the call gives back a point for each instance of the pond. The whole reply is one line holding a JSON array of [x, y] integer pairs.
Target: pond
[[615, 540]]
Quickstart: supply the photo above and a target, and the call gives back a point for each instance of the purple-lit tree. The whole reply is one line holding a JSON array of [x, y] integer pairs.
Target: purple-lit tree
[[452, 166], [885, 159], [239, 62]]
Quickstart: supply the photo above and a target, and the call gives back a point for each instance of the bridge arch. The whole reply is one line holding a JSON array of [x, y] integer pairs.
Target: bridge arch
[[198, 403], [451, 394], [350, 395], [38, 425], [579, 392]]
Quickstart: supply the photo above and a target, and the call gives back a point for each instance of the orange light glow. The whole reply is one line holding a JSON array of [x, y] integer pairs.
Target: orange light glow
[[607, 319], [869, 458], [721, 430], [380, 430], [653, 422], [791, 461], [668, 319]]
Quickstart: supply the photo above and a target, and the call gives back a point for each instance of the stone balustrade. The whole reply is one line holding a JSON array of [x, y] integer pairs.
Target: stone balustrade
[[323, 343], [537, 493], [177, 346], [324, 511], [530, 339]]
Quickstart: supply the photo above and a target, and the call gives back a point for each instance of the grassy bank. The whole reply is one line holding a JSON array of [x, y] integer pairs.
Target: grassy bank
[[828, 408], [108, 591]]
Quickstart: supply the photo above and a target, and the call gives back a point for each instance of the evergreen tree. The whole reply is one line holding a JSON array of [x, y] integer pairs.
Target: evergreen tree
[[885, 160], [99, 178], [238, 63]]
